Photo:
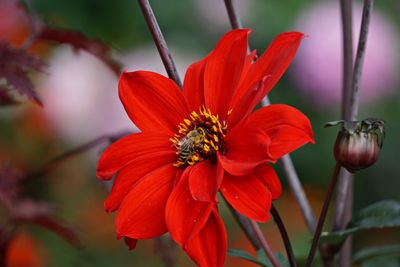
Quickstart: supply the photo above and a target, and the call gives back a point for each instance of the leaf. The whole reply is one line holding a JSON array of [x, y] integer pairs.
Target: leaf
[[14, 67], [279, 256], [246, 256], [79, 41], [383, 214], [333, 123], [373, 252], [261, 258], [387, 261]]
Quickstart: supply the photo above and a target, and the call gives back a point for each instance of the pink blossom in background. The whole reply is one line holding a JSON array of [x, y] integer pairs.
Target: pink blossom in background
[[79, 96], [317, 69], [80, 93]]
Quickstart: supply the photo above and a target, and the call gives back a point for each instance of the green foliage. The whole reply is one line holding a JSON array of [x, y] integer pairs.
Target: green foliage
[[383, 214], [373, 252], [393, 261]]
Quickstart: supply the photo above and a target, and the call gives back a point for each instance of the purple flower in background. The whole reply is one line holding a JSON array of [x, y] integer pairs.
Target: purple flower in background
[[317, 69]]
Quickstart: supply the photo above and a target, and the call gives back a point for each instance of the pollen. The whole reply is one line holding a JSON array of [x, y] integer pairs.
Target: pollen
[[198, 137]]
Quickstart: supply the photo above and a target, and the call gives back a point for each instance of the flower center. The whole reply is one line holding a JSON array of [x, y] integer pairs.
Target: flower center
[[199, 137]]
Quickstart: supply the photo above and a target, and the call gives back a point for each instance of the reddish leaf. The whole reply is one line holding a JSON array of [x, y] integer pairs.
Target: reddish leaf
[[79, 41], [14, 66]]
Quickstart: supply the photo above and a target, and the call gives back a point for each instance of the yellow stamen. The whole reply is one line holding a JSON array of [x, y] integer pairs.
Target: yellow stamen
[[215, 138], [199, 137]]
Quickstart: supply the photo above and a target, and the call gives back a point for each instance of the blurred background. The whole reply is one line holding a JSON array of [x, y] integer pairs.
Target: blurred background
[[80, 103]]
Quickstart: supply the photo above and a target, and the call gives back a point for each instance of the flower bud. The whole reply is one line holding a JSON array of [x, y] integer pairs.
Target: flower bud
[[358, 143]]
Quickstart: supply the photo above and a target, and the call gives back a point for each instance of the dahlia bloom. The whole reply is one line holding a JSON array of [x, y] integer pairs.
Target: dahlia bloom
[[204, 139]]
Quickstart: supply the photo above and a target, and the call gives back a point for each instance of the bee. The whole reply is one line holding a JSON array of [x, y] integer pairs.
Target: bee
[[188, 145]]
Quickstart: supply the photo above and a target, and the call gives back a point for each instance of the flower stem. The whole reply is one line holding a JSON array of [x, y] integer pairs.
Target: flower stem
[[298, 191], [159, 40], [68, 154], [264, 244], [284, 235], [165, 247], [254, 234], [232, 14], [344, 200], [286, 161], [358, 65], [347, 22], [169, 66], [322, 216], [345, 193], [244, 224]]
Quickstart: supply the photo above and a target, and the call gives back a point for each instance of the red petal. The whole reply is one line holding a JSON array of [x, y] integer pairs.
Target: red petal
[[193, 86], [273, 63], [132, 173], [130, 242], [249, 99], [204, 181], [248, 195], [269, 177], [141, 214], [248, 62], [286, 126], [246, 148], [184, 216], [126, 149], [152, 101], [223, 71], [208, 248]]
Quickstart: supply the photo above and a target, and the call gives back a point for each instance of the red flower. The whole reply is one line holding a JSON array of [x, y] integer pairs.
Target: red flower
[[200, 141]]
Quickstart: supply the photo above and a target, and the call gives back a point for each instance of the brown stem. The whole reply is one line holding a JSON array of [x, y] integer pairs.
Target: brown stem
[[344, 180], [359, 62], [159, 40], [253, 232], [284, 235], [169, 65], [322, 216], [286, 161], [68, 154], [350, 106], [264, 244], [165, 247], [344, 184], [347, 23], [298, 191], [244, 224], [343, 192], [232, 14]]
